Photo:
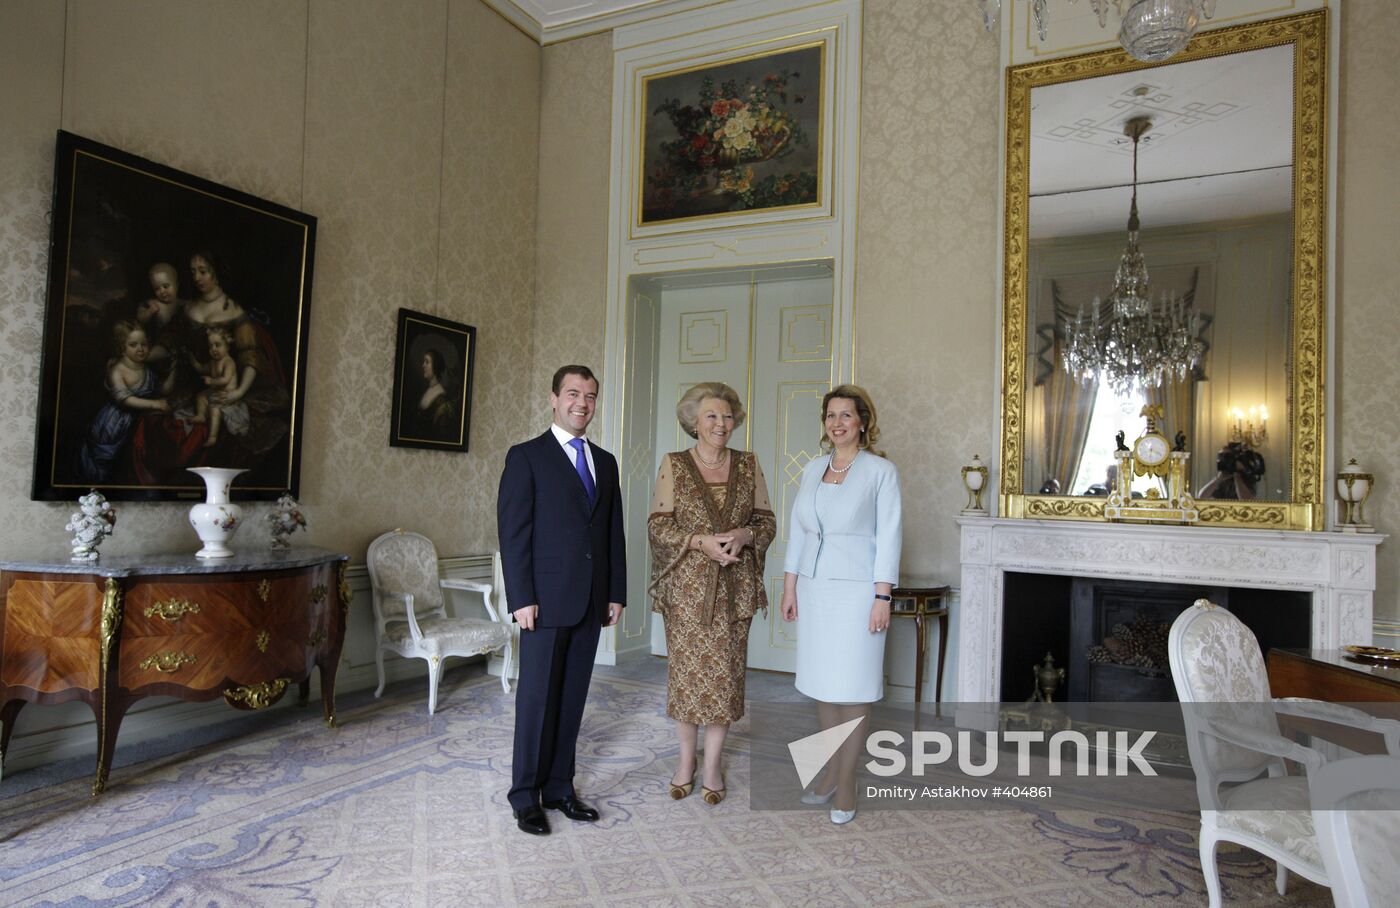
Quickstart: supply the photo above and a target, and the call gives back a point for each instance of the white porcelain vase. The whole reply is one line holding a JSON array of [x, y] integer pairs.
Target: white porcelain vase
[[216, 519]]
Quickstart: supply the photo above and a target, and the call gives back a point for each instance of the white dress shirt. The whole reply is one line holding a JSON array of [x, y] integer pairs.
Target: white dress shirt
[[564, 439]]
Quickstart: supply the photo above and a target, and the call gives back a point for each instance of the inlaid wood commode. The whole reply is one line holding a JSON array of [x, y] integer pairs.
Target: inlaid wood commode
[[111, 633]]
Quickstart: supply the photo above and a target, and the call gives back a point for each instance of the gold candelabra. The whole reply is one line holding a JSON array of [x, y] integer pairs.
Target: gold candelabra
[[1244, 429]]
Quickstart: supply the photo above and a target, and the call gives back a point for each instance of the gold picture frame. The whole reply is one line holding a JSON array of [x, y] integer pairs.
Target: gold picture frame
[[743, 136], [165, 266], [1303, 510]]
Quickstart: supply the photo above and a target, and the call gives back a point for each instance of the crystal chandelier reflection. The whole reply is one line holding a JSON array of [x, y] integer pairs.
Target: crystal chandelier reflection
[[1151, 30], [1128, 341]]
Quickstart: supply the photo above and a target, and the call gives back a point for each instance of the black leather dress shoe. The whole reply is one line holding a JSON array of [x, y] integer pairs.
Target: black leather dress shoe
[[573, 808], [532, 820]]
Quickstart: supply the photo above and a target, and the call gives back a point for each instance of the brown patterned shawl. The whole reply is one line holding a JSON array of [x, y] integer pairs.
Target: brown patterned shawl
[[683, 505]]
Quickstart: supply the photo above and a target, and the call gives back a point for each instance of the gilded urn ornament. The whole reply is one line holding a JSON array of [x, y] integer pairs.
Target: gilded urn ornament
[[1353, 488], [1048, 678]]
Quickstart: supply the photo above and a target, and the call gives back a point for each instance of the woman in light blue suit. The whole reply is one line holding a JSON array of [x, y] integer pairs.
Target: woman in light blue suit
[[842, 563]]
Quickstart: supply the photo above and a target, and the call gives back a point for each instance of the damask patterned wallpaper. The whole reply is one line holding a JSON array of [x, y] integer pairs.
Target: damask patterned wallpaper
[[926, 307], [572, 257], [1368, 271], [428, 171], [926, 247], [410, 129]]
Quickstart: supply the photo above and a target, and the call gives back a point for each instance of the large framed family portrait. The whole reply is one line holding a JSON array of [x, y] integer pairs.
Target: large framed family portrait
[[433, 363], [175, 332], [735, 136]]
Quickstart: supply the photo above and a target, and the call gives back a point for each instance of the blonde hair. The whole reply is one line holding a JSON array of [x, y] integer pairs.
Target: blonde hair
[[221, 331], [688, 409], [121, 331], [865, 409]]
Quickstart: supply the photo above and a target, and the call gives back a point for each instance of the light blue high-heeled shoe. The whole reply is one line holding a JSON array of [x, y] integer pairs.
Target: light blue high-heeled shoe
[[842, 817], [814, 798]]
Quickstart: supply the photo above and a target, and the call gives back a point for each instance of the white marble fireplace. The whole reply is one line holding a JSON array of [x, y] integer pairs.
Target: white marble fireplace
[[1338, 570]]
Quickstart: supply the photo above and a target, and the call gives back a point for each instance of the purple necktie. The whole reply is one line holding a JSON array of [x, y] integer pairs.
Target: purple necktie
[[581, 464]]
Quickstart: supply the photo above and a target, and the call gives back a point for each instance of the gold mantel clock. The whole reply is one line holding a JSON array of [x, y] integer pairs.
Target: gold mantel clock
[[1151, 455]]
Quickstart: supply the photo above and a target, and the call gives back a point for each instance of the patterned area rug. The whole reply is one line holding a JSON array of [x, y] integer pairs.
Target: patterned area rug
[[397, 808]]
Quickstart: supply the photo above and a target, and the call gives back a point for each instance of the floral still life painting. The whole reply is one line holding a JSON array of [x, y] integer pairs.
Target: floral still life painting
[[742, 135]]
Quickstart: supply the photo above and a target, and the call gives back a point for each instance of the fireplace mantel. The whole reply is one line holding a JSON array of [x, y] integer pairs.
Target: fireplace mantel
[[1337, 569]]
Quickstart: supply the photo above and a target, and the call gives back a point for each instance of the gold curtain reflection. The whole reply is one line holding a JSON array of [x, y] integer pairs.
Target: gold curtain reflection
[[1069, 405], [1177, 398]]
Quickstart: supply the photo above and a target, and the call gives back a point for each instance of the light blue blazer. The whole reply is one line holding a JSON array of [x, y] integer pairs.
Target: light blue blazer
[[856, 536]]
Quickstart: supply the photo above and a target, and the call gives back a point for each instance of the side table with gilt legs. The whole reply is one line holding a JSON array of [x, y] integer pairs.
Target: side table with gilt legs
[[927, 601]]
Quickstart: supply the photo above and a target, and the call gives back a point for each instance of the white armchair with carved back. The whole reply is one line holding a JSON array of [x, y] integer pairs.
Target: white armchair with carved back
[[411, 615]]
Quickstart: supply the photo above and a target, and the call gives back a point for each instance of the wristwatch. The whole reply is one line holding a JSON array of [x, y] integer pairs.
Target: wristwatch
[[882, 598]]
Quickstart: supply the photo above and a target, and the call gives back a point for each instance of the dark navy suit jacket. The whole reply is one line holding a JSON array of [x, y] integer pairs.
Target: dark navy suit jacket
[[557, 551]]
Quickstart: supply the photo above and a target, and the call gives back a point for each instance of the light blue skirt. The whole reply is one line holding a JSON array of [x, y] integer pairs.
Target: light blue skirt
[[838, 659]]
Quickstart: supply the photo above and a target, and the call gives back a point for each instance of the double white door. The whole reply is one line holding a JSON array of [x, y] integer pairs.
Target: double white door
[[770, 340]]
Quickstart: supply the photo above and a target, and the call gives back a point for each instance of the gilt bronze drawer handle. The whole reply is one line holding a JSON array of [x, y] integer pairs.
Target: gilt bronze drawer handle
[[261, 641], [167, 662], [319, 593], [257, 696], [264, 589], [344, 588], [316, 639], [172, 609]]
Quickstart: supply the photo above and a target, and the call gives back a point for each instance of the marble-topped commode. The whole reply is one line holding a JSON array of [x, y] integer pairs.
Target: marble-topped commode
[[114, 631], [176, 563]]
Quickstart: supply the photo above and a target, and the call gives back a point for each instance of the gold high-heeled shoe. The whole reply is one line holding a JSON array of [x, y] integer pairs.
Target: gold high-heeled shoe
[[681, 791], [713, 796]]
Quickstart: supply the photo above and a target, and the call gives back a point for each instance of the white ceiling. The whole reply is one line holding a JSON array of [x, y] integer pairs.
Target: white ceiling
[[553, 13], [1220, 145], [548, 21]]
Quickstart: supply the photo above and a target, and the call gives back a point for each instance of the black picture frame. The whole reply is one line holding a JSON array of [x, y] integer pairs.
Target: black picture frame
[[420, 419], [116, 218]]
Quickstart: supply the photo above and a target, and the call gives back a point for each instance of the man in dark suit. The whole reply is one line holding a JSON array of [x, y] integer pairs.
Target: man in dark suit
[[559, 516]]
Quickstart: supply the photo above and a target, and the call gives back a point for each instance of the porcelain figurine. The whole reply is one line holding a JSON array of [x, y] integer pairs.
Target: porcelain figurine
[[284, 520], [90, 524]]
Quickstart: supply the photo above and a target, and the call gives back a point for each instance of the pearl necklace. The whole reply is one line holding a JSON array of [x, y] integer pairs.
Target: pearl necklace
[[833, 468], [713, 466]]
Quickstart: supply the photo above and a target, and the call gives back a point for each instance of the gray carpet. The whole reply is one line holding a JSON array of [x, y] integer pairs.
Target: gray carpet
[[397, 808]]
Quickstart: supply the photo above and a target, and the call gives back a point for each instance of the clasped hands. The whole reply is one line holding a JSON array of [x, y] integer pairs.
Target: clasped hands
[[724, 548]]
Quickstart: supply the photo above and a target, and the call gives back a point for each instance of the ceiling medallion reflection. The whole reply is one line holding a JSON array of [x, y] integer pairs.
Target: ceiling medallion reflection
[[1151, 30], [1128, 341]]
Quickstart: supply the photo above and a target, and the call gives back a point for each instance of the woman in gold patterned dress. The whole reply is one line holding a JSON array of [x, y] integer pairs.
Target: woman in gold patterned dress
[[709, 527]]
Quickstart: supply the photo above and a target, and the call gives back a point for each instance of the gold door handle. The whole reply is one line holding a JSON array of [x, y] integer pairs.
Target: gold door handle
[[172, 609], [167, 662]]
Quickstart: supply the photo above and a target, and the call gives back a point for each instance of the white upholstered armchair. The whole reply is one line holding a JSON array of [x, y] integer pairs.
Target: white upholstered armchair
[[411, 617], [1238, 752], [1356, 810]]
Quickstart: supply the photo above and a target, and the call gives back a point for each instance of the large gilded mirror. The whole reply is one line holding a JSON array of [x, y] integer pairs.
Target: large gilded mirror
[[1220, 155]]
